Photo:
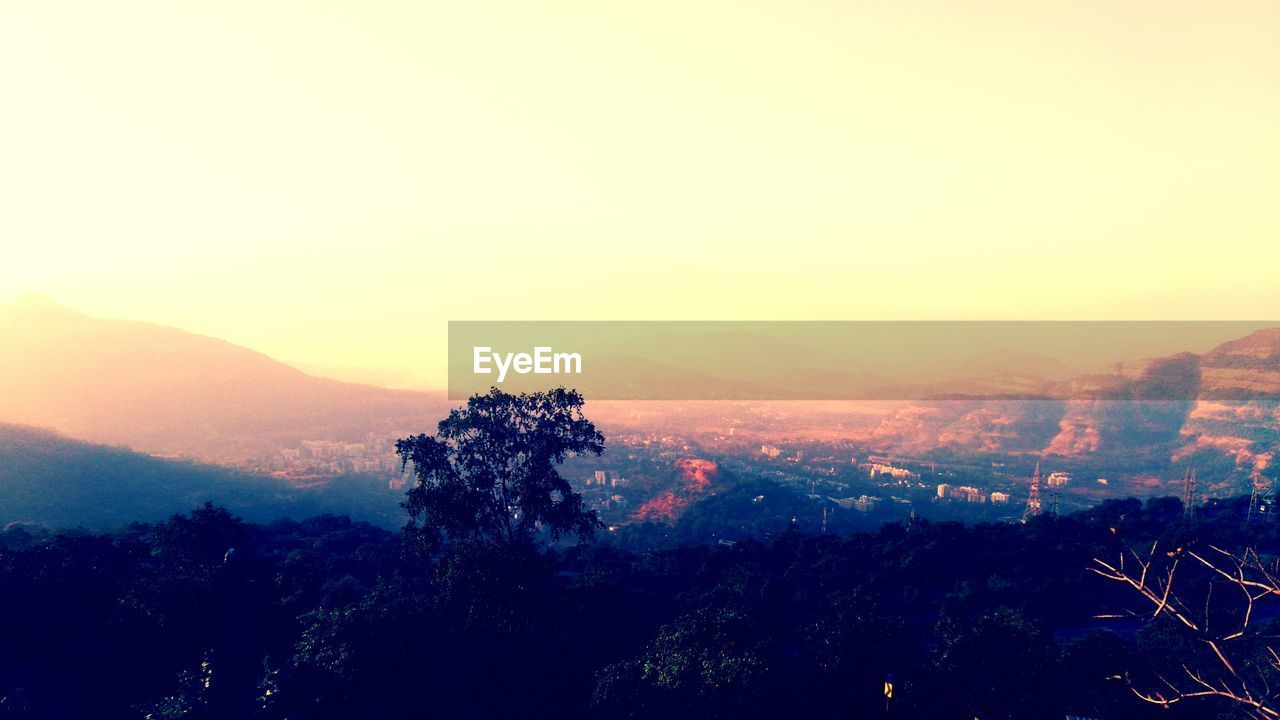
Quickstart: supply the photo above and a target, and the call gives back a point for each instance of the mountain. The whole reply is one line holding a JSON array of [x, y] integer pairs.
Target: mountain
[[50, 480], [165, 391], [398, 378], [168, 392], [1243, 368], [1015, 363], [1221, 408]]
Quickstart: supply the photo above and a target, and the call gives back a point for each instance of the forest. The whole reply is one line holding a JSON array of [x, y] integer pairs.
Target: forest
[[500, 598]]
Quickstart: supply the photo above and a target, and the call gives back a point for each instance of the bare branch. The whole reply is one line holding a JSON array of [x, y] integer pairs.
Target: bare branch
[[1249, 574]]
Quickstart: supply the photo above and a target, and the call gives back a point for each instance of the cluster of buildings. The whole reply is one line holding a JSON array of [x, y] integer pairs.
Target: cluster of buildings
[[862, 503], [605, 501], [773, 453], [606, 478], [601, 490], [659, 444], [314, 459], [899, 475], [968, 493]]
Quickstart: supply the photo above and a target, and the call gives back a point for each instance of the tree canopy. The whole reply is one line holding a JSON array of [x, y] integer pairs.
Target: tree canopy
[[489, 475]]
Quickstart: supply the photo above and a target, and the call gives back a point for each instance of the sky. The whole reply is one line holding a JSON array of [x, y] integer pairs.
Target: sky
[[331, 182]]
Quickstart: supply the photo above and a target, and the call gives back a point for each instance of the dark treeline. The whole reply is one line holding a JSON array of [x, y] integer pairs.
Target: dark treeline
[[497, 600], [206, 616]]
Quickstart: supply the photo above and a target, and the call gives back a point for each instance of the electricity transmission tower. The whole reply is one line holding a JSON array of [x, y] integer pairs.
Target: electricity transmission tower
[[1033, 499], [1262, 499], [1189, 483]]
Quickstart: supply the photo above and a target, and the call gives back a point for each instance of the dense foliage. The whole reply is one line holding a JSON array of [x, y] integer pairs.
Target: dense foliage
[[207, 616], [489, 475], [496, 602]]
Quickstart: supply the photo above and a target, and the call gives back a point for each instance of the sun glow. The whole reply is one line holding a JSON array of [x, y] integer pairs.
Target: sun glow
[[331, 186]]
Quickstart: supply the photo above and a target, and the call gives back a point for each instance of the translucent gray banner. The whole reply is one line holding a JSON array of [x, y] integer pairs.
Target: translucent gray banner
[[637, 360]]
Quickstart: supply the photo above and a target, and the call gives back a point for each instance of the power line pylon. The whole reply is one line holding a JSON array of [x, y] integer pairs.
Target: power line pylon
[[1262, 500], [1189, 483], [1033, 499]]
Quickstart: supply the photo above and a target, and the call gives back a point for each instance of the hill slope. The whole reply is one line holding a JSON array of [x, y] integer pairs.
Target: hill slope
[[165, 391], [1223, 406], [50, 480]]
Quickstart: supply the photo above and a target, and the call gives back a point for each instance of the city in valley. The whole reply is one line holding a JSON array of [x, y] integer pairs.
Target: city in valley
[[817, 464], [966, 448]]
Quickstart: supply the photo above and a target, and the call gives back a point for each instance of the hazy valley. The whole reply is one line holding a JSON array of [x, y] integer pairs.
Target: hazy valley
[[288, 443]]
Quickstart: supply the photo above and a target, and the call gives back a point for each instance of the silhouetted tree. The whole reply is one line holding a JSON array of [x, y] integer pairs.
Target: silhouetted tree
[[489, 474]]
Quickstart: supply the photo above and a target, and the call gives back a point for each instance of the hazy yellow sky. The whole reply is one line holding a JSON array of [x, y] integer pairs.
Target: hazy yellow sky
[[330, 182]]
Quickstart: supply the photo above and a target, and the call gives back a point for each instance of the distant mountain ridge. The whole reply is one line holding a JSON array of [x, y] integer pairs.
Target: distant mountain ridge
[[166, 391], [1222, 406]]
